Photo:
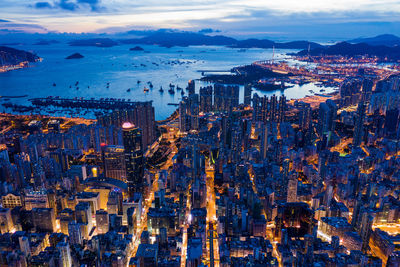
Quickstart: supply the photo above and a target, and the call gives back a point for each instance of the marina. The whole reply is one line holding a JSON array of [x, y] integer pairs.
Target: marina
[[102, 103]]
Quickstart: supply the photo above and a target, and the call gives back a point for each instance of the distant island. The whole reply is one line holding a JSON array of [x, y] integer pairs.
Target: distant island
[[384, 53], [75, 56], [172, 38], [136, 48], [383, 39], [98, 42], [12, 57]]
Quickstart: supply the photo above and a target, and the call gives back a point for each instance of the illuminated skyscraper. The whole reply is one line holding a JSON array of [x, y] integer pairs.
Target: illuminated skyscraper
[[134, 162], [114, 162], [226, 97], [191, 87], [206, 94], [326, 117], [189, 113], [359, 124], [247, 94]]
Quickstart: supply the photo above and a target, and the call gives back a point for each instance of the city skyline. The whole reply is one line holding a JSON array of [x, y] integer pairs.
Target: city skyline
[[163, 134]]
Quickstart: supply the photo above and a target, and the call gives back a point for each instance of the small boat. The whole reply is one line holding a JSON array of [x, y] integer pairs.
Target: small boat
[[171, 91], [54, 84], [171, 86], [161, 90], [178, 88], [145, 89], [128, 90], [138, 82], [182, 92]]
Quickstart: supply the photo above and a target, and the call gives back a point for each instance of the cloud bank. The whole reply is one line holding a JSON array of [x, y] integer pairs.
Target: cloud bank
[[262, 18]]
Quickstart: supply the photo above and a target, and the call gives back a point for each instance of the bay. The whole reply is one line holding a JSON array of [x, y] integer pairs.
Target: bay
[[122, 69]]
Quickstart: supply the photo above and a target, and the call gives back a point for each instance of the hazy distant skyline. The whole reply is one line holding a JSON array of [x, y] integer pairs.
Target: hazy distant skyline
[[285, 19]]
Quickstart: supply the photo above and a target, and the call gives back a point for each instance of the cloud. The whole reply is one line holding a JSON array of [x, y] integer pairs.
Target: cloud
[[40, 5], [94, 4], [70, 5], [21, 27], [67, 5]]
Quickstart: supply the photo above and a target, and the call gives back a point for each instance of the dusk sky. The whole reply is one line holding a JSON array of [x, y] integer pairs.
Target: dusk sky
[[287, 19]]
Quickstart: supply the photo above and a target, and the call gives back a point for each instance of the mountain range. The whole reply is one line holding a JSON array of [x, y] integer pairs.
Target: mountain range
[[384, 53], [386, 46], [11, 56], [384, 39], [170, 39]]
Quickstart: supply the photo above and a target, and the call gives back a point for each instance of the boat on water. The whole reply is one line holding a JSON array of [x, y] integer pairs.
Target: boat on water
[[161, 90], [171, 86], [128, 90], [182, 92], [171, 91], [138, 82], [54, 84], [145, 89], [178, 88]]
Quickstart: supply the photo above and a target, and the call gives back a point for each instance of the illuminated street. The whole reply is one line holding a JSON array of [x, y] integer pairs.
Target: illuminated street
[[212, 218]]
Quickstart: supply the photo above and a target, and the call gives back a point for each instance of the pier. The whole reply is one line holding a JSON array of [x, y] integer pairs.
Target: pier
[[212, 71], [102, 103]]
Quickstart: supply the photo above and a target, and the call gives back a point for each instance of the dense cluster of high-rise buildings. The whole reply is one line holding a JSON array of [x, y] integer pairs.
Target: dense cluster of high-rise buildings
[[266, 182]]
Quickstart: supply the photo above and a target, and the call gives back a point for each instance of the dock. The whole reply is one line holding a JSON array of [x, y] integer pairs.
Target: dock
[[102, 103]]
